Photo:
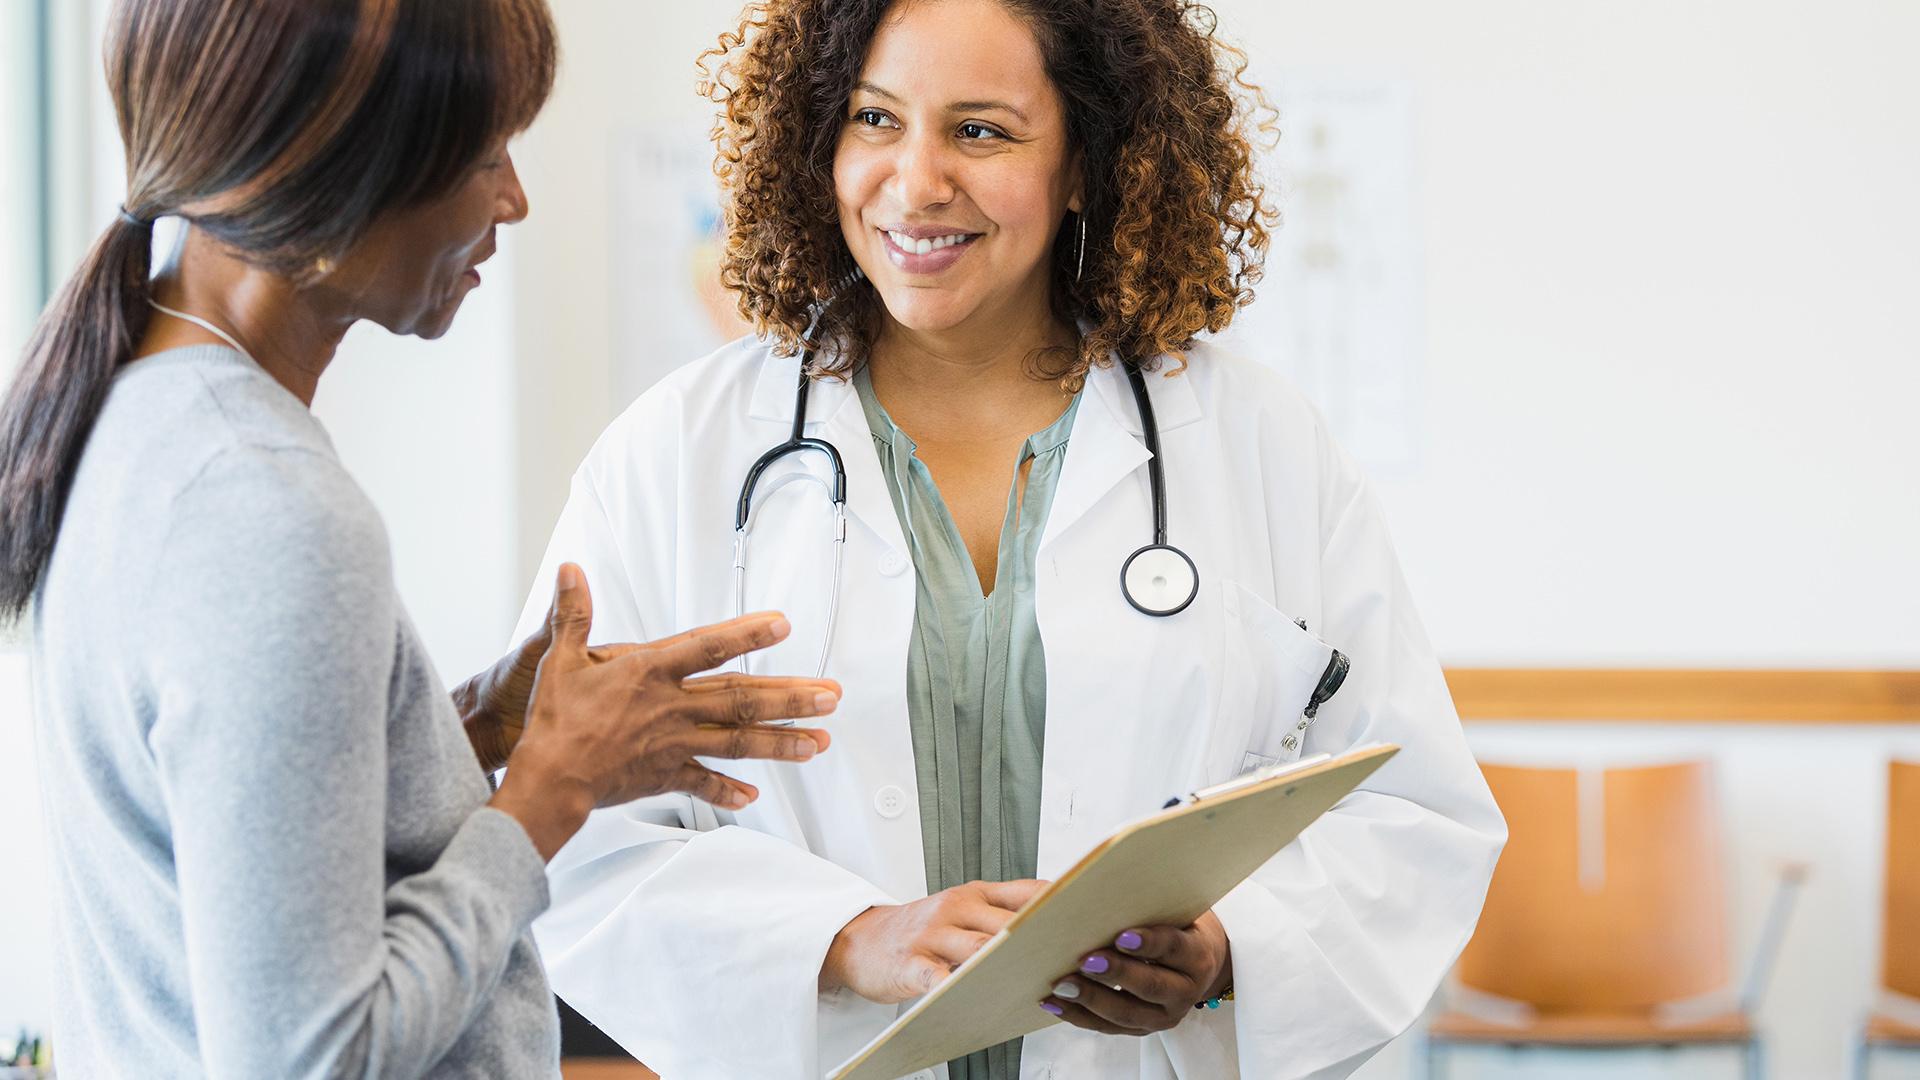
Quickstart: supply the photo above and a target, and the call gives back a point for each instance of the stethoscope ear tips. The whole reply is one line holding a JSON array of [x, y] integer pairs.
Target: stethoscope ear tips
[[1159, 580]]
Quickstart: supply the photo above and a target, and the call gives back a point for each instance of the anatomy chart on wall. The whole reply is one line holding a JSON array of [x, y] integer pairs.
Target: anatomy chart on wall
[[666, 255], [1339, 308]]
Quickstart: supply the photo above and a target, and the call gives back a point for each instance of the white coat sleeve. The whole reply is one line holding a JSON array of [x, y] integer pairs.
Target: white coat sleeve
[[697, 948], [1339, 942]]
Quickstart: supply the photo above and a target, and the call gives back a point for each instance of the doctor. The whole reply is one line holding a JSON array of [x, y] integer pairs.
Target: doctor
[[1013, 208]]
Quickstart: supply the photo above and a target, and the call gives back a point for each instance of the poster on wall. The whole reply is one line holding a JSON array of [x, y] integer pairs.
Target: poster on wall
[[1339, 308], [667, 245]]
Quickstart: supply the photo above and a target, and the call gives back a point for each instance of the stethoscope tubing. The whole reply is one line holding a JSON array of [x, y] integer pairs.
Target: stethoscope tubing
[[1150, 431], [799, 443]]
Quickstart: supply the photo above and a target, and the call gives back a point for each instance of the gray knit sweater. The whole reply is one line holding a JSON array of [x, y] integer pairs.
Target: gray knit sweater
[[271, 852]]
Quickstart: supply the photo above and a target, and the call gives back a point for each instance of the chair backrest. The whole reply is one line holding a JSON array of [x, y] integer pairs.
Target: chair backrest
[[1609, 896], [1900, 937]]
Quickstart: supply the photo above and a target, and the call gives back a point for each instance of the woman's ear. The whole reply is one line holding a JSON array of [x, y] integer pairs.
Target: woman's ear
[[1077, 182]]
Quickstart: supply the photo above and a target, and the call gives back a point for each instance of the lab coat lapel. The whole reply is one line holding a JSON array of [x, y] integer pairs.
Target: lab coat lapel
[[1101, 452], [1107, 444]]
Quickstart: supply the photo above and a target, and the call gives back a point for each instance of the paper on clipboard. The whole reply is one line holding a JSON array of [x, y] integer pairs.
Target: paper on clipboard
[[1168, 868]]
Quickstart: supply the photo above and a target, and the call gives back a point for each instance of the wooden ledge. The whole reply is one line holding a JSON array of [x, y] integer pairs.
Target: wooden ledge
[[1590, 1029], [1687, 695]]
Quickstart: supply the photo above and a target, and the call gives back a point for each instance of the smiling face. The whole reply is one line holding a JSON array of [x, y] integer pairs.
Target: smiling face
[[415, 267], [953, 170]]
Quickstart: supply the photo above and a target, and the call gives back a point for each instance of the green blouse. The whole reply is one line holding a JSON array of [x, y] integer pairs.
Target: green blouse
[[976, 678]]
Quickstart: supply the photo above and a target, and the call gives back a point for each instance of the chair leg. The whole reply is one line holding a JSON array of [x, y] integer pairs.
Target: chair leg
[[1435, 1070], [1859, 1055], [1753, 1060]]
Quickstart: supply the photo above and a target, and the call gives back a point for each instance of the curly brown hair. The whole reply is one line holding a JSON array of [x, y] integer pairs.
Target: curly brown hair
[[1177, 220]]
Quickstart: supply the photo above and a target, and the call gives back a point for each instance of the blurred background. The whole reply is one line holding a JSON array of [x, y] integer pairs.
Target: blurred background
[[1620, 305]]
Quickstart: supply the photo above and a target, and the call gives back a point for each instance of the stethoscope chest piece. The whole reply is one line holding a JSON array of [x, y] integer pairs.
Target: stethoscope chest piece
[[1159, 579]]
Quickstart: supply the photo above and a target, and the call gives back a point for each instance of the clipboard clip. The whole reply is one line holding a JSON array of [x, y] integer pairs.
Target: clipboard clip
[[1246, 780]]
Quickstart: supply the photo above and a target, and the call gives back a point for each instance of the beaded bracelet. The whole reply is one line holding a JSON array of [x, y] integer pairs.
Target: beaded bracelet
[[1214, 1003]]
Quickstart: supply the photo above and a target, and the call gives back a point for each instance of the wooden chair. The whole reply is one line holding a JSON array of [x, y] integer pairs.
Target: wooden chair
[[1604, 926], [1900, 920]]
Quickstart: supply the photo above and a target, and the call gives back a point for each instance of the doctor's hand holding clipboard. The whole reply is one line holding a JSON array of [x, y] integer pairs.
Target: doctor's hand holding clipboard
[[1149, 980], [895, 952]]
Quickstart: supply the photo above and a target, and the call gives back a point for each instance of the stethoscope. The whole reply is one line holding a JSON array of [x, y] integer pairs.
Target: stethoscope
[[1158, 579]]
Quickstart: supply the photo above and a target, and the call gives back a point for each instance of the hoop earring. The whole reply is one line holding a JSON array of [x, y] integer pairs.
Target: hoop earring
[[1080, 259]]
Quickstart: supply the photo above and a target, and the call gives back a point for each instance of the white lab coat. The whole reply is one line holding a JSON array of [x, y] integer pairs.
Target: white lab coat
[[695, 937]]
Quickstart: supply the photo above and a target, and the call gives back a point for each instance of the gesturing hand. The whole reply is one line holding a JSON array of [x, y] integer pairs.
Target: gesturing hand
[[894, 952], [1148, 981], [493, 704], [609, 726]]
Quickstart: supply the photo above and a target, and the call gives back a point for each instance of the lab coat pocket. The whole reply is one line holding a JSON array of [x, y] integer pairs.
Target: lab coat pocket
[[1275, 667], [1250, 762]]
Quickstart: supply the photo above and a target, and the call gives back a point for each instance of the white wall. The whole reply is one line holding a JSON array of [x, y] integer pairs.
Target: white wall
[[26, 948], [26, 945], [624, 65], [429, 429], [1672, 337], [19, 138]]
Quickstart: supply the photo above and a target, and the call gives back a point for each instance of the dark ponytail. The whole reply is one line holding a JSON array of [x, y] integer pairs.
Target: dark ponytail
[[82, 338], [281, 130]]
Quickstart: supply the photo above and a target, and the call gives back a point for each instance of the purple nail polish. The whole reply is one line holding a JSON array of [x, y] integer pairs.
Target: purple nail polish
[[1094, 965], [1052, 1008], [1128, 940]]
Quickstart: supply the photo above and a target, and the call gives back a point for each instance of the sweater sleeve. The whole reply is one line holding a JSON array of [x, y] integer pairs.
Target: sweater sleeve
[[272, 621]]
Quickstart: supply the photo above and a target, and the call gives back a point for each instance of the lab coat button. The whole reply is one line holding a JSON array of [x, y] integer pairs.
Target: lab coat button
[[1290, 742], [893, 564], [890, 802]]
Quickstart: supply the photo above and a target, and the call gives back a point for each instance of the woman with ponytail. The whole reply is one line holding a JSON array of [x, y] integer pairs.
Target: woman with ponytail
[[277, 854]]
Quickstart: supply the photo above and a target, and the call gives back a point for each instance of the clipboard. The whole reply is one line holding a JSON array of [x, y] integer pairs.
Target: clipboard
[[1169, 868]]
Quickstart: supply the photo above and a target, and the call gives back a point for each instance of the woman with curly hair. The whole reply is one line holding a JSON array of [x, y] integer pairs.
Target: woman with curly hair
[[965, 228]]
